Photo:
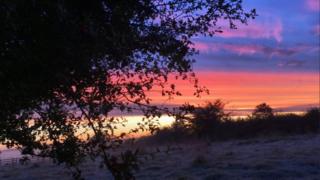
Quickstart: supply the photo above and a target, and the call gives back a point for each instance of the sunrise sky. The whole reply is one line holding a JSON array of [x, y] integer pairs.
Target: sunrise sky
[[275, 59]]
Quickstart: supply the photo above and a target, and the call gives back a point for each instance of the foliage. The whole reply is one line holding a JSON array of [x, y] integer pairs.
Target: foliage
[[262, 111], [65, 65], [206, 119], [313, 119]]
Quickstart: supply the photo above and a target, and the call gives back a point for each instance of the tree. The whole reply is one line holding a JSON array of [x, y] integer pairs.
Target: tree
[[65, 65], [263, 111], [313, 117], [205, 119]]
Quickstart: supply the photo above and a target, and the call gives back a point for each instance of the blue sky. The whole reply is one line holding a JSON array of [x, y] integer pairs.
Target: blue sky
[[283, 38]]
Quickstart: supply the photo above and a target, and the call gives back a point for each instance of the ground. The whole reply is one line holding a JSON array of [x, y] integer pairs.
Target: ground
[[290, 157]]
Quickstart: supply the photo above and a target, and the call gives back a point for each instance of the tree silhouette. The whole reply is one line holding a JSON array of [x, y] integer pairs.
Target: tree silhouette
[[206, 119], [263, 111], [65, 65]]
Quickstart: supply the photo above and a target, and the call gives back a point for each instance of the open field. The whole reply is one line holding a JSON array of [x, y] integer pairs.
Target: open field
[[290, 157]]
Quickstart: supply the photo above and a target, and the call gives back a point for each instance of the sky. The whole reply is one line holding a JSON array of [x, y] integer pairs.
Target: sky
[[274, 59]]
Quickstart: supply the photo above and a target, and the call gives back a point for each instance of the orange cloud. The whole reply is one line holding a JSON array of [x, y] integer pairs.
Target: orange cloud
[[246, 89]]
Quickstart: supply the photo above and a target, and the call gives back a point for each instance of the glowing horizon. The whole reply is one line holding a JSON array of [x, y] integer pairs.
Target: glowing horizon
[[244, 90]]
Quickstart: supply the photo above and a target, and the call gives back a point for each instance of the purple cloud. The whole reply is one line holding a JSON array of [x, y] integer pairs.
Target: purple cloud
[[313, 5], [316, 30], [292, 63], [269, 28], [248, 49]]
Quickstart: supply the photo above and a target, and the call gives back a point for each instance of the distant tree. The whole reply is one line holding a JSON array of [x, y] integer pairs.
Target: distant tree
[[65, 65], [262, 111], [313, 117], [205, 119], [313, 113]]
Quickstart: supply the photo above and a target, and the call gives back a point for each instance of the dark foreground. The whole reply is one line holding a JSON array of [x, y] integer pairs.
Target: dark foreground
[[290, 157]]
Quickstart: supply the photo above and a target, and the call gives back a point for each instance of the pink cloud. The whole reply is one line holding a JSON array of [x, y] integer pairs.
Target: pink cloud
[[239, 49], [316, 30], [263, 30], [313, 5], [242, 49], [248, 49], [203, 47]]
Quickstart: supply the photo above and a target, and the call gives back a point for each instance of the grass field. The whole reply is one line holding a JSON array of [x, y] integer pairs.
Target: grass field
[[290, 157]]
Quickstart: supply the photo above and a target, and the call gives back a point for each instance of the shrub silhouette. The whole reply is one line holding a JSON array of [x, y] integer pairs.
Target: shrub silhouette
[[313, 119], [172, 134], [200, 161], [207, 119], [212, 122], [263, 111]]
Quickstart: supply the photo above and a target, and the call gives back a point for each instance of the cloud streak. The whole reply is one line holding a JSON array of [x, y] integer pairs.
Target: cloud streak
[[313, 5], [248, 49], [263, 30], [292, 63], [316, 30]]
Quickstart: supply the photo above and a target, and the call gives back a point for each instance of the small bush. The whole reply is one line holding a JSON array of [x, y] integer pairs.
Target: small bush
[[313, 119], [263, 111], [176, 132], [200, 161], [206, 120], [35, 165]]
